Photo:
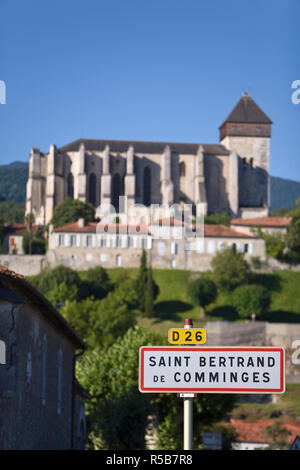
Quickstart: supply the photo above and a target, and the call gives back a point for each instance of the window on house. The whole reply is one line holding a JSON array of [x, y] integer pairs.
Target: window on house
[[72, 240], [89, 240], [245, 248], [211, 246], [61, 240], [174, 248], [118, 260]]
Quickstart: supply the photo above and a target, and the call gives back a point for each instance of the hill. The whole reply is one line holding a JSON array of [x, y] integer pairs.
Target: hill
[[173, 305], [284, 193], [13, 179]]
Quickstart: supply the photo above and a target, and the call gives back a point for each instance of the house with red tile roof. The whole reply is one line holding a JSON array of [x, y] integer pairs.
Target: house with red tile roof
[[265, 224], [252, 435], [171, 243]]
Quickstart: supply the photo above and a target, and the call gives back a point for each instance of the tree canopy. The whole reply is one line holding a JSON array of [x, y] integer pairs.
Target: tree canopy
[[70, 210]]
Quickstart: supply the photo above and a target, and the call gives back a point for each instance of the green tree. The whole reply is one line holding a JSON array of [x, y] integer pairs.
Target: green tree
[[96, 283], [250, 299], [60, 292], [12, 212], [29, 221], [202, 292], [99, 322], [143, 289], [70, 210], [230, 269], [142, 281], [149, 295], [219, 218], [293, 236], [278, 433], [49, 278], [117, 413]]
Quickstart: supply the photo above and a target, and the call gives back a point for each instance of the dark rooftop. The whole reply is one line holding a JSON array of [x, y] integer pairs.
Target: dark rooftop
[[143, 147], [247, 111]]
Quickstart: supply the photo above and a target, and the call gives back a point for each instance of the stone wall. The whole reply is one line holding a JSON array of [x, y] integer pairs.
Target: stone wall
[[27, 265]]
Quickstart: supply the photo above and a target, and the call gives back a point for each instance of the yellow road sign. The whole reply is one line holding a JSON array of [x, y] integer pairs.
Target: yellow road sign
[[187, 335]]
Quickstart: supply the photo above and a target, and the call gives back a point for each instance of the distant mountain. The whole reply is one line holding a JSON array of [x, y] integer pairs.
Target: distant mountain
[[13, 179], [284, 193]]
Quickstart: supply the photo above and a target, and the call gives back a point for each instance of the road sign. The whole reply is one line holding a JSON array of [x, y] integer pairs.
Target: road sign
[[187, 336], [296, 444], [212, 440], [211, 369]]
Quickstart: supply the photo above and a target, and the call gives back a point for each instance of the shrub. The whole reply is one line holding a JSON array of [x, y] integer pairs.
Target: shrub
[[230, 269], [251, 299], [202, 292]]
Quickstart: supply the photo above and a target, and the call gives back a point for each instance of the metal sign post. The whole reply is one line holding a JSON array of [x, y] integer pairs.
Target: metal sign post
[[188, 410]]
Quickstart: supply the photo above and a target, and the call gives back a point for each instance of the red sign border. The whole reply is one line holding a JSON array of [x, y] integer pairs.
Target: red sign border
[[211, 390]]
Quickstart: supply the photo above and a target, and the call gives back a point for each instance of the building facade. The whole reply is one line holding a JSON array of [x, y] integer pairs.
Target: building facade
[[81, 246], [231, 176], [41, 403]]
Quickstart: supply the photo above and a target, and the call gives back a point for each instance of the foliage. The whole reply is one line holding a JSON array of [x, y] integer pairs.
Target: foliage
[[230, 269], [281, 212], [250, 299], [219, 218], [293, 236], [147, 290], [96, 283], [202, 291], [12, 212], [36, 245], [49, 278], [70, 210], [278, 433], [117, 413], [60, 292], [99, 322], [13, 179], [149, 305]]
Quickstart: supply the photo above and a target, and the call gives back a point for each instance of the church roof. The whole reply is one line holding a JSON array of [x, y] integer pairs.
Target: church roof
[[143, 146], [262, 221], [247, 111]]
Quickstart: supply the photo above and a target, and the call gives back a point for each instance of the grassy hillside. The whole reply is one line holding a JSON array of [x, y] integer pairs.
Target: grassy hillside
[[173, 304]]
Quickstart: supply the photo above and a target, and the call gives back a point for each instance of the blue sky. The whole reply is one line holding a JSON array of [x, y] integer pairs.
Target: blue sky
[[165, 70]]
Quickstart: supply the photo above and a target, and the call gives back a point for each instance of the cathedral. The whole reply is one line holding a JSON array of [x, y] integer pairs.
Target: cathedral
[[231, 176]]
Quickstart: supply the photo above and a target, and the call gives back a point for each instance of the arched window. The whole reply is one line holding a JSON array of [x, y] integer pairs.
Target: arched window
[[70, 186], [92, 189], [181, 169], [147, 186], [117, 191]]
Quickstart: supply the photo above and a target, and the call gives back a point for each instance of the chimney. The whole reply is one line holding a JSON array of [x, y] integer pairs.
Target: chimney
[[80, 222]]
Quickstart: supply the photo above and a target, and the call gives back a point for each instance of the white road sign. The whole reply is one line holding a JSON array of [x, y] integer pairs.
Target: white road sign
[[212, 369]]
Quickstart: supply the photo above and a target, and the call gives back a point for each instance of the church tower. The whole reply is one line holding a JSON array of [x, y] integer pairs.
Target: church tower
[[246, 134]]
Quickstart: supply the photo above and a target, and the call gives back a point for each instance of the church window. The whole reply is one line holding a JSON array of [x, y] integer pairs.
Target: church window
[[92, 189], [70, 186], [147, 186], [181, 169], [117, 191]]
